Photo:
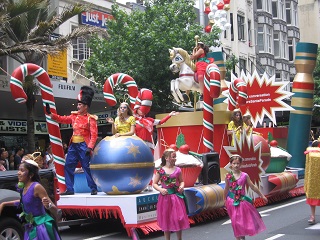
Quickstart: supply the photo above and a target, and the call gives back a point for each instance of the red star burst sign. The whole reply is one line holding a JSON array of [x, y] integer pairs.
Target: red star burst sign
[[251, 155], [265, 97]]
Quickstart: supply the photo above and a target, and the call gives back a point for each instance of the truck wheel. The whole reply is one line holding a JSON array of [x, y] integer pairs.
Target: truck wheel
[[10, 228]]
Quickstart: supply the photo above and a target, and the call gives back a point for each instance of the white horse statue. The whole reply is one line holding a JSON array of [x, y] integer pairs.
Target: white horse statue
[[181, 62]]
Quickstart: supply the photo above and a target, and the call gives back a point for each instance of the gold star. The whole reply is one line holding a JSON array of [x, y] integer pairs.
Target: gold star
[[132, 149], [135, 181]]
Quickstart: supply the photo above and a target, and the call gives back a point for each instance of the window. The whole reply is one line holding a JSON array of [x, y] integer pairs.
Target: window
[[249, 33], [276, 43], [295, 14], [284, 45], [240, 20], [288, 12], [275, 9], [259, 4], [269, 39], [260, 38], [278, 76], [243, 65], [282, 10], [231, 30], [81, 51], [290, 44], [268, 6]]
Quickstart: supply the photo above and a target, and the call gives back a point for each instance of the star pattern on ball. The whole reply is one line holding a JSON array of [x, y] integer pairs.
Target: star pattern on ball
[[133, 149], [135, 181]]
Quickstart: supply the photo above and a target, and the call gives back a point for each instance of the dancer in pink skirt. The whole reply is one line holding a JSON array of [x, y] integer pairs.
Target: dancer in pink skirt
[[244, 216], [171, 209]]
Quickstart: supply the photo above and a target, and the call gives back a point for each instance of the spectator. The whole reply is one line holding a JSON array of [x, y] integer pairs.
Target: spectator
[[49, 158], [17, 157], [4, 158]]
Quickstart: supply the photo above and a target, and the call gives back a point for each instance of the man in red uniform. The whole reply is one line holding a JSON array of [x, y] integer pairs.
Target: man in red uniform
[[84, 137]]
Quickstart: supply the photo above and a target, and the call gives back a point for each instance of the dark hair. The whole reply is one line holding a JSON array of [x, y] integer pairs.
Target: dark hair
[[234, 157], [166, 153], [237, 123], [32, 170], [18, 149], [204, 47]]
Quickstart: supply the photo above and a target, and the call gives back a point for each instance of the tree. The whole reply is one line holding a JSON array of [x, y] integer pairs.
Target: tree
[[25, 36], [139, 44], [316, 97]]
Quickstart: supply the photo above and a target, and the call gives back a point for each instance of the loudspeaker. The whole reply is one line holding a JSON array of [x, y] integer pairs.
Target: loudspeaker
[[211, 168]]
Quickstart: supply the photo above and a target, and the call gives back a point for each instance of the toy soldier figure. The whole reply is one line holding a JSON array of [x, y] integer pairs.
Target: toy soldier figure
[[83, 139]]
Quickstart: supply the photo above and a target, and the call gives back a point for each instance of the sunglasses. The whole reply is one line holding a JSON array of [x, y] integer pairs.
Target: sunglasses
[[123, 107]]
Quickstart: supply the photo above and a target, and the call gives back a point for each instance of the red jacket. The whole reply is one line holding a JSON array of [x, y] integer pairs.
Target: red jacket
[[83, 125]]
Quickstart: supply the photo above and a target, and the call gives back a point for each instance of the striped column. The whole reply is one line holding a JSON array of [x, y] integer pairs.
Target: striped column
[[302, 102]]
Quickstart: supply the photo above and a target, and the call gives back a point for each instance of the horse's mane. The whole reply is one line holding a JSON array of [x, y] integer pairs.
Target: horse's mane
[[186, 58]]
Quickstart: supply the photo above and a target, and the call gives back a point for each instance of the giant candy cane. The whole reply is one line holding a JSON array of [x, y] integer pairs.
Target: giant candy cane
[[20, 96], [212, 90], [114, 80], [237, 94]]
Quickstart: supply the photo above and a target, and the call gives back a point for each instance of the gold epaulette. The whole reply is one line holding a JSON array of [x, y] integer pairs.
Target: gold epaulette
[[95, 117]]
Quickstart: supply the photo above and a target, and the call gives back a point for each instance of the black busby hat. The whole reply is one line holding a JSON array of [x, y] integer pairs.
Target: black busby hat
[[85, 96]]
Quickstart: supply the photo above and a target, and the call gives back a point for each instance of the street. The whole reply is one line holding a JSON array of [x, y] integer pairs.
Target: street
[[284, 220]]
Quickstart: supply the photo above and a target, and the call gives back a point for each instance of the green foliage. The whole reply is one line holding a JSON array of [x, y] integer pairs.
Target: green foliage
[[316, 98], [139, 44], [230, 63]]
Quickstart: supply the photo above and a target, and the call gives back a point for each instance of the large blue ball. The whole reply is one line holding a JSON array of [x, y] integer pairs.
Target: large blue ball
[[122, 165]]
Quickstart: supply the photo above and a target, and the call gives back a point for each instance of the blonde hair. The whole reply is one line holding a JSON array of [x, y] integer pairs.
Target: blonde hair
[[129, 112]]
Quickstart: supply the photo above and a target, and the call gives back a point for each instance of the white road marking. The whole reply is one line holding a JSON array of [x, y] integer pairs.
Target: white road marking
[[101, 236], [282, 206], [314, 227], [275, 236]]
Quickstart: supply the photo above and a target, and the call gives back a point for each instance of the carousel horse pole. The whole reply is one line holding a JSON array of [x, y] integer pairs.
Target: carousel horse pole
[[302, 102], [16, 86]]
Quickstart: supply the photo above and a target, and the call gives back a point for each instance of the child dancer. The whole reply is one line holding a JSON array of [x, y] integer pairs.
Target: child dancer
[[171, 209], [244, 216]]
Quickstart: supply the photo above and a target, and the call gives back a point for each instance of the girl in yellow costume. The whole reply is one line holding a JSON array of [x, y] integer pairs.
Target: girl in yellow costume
[[311, 179], [124, 124], [236, 125]]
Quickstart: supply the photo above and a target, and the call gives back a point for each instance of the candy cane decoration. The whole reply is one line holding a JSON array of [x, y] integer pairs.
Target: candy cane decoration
[[114, 80], [237, 94], [20, 96], [212, 90], [144, 101]]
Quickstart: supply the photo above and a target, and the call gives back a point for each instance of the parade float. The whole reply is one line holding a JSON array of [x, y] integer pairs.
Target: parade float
[[123, 167]]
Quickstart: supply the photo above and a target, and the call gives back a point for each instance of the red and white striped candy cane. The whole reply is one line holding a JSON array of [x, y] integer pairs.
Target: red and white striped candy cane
[[114, 80], [20, 96], [237, 94], [211, 90]]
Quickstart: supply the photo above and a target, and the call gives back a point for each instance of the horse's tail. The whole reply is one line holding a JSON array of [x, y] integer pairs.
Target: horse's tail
[[237, 94], [114, 80]]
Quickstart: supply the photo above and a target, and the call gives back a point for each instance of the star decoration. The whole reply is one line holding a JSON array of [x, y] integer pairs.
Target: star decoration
[[135, 181], [265, 97], [133, 149], [251, 155]]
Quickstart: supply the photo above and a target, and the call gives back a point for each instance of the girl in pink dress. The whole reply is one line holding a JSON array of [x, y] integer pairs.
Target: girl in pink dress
[[244, 216], [171, 209]]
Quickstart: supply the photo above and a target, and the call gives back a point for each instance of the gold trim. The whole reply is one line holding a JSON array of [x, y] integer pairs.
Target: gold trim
[[301, 102], [182, 119], [121, 166], [304, 54], [301, 112], [295, 90]]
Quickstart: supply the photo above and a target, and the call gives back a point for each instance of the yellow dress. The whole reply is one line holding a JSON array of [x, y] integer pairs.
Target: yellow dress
[[125, 127], [312, 176], [233, 127]]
